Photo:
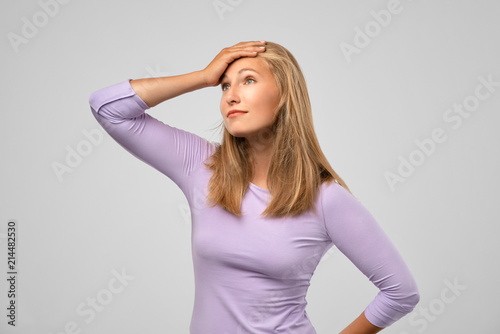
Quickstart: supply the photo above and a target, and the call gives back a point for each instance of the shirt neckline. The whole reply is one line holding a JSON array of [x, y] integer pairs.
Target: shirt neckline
[[259, 188]]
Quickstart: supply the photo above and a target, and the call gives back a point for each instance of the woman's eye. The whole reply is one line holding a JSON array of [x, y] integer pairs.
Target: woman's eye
[[249, 81], [224, 86]]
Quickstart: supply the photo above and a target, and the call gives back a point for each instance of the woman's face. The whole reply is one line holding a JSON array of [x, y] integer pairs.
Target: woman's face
[[250, 91]]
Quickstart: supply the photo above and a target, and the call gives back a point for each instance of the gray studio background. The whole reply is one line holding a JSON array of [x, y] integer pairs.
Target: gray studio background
[[104, 240]]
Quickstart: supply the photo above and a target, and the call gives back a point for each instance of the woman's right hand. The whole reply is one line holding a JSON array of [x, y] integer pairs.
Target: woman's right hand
[[213, 72]]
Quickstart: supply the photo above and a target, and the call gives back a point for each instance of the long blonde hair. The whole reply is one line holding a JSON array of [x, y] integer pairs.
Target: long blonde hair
[[298, 166]]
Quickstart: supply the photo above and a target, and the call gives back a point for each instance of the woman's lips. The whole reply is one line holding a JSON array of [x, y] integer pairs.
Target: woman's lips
[[234, 113]]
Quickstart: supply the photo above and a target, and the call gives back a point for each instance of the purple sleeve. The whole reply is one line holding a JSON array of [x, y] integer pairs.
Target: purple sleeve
[[173, 152], [357, 235]]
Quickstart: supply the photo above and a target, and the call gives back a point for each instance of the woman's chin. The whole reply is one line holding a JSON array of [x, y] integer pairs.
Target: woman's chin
[[236, 133]]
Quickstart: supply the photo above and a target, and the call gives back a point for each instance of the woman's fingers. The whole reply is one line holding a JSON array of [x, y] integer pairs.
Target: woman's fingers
[[246, 49]]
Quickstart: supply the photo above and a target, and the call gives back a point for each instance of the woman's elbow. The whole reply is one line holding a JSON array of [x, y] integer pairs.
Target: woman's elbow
[[410, 298], [413, 299]]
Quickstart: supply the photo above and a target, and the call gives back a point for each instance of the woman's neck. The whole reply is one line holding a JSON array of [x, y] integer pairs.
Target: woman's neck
[[261, 158]]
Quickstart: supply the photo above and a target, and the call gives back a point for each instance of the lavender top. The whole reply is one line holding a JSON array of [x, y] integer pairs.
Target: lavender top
[[252, 273]]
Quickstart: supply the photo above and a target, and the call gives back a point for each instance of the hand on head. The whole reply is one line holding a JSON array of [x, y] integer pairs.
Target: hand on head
[[214, 70]]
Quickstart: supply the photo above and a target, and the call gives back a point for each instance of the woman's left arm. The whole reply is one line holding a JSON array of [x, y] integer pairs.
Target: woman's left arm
[[356, 234]]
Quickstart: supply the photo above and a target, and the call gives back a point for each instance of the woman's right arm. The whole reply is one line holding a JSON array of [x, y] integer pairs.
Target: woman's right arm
[[153, 91], [120, 109]]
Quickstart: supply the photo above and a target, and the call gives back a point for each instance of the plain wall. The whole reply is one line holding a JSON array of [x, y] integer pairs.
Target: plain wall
[[378, 100]]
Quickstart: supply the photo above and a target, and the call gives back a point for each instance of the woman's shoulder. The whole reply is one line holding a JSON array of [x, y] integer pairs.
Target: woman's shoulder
[[333, 194], [332, 187]]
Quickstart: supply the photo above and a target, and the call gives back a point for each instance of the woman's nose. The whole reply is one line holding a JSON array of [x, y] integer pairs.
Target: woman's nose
[[233, 96]]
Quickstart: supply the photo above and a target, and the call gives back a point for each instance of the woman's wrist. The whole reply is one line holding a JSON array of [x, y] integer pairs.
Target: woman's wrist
[[361, 325]]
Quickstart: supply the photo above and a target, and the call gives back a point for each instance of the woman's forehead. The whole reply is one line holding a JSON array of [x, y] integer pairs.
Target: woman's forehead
[[240, 65]]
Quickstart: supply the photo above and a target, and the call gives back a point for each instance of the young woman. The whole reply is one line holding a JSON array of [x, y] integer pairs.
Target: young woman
[[265, 203]]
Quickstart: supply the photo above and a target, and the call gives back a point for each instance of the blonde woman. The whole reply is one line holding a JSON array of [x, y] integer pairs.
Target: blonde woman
[[265, 203]]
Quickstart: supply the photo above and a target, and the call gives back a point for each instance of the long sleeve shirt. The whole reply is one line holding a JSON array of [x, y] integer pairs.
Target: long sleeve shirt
[[252, 273]]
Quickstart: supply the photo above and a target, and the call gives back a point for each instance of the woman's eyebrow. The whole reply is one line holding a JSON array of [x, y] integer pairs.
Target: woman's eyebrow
[[241, 70]]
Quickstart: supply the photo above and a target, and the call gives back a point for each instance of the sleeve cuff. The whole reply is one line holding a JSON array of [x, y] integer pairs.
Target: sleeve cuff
[[113, 93], [381, 320]]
